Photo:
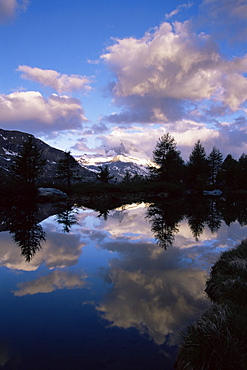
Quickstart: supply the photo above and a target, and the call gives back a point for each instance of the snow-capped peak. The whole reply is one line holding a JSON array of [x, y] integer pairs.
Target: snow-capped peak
[[120, 159]]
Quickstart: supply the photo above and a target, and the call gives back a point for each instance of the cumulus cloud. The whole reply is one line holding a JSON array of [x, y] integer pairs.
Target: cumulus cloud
[[170, 71], [54, 281], [60, 250], [29, 110], [229, 137], [185, 132], [61, 83], [157, 303], [9, 8]]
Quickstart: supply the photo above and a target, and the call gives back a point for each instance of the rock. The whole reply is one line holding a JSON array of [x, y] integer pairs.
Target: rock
[[215, 192], [51, 194]]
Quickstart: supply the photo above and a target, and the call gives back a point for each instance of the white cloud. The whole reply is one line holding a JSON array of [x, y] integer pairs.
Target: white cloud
[[60, 250], [228, 136], [178, 10], [155, 302], [54, 281], [9, 8], [29, 110], [61, 83], [185, 132], [165, 74]]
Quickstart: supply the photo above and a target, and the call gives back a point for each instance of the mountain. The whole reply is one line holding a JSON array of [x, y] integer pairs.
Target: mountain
[[11, 143], [119, 160]]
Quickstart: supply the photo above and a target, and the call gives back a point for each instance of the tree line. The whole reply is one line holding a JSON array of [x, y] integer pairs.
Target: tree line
[[201, 171]]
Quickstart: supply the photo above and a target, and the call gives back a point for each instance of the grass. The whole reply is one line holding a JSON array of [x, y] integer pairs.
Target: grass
[[218, 339]]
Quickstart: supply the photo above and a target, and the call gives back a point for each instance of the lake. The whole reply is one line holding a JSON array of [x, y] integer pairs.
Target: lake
[[82, 289]]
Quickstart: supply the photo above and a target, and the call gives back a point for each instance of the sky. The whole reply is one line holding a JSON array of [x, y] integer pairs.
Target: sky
[[81, 75]]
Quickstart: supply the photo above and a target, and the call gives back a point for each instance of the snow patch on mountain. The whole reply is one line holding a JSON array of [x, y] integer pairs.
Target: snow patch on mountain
[[119, 160]]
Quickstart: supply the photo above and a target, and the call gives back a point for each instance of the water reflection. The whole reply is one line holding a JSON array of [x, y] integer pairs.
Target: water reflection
[[165, 218], [151, 293], [199, 213], [67, 218], [54, 281], [24, 227], [102, 290]]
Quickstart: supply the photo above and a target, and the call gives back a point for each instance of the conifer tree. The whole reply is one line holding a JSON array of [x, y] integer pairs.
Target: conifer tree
[[197, 167], [242, 172], [67, 169], [27, 165], [169, 164], [104, 175], [229, 172], [215, 161]]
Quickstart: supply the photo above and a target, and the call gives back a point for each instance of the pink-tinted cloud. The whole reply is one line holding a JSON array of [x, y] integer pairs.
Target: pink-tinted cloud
[[178, 10], [225, 19], [9, 8], [230, 8], [31, 112], [185, 132], [169, 72], [61, 83]]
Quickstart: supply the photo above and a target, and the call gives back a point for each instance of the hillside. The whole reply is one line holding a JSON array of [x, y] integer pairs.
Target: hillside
[[11, 144]]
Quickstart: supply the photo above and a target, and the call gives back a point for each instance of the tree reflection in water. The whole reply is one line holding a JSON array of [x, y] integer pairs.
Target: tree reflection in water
[[25, 229], [165, 219], [199, 212], [104, 214], [67, 218], [23, 219]]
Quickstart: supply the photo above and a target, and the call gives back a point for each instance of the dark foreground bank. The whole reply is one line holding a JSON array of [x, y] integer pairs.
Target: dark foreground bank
[[218, 339]]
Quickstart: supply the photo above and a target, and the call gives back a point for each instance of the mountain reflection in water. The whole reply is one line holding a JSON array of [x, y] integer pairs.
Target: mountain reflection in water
[[109, 289]]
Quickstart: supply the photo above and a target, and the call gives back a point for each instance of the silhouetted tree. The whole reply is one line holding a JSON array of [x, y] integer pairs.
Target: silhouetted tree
[[169, 164], [27, 165], [67, 169], [229, 174], [215, 161], [197, 167], [104, 174], [242, 172]]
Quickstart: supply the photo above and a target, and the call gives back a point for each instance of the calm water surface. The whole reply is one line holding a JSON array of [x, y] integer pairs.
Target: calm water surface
[[103, 292]]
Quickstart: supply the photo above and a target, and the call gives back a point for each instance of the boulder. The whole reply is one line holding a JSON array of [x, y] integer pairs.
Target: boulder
[[51, 194]]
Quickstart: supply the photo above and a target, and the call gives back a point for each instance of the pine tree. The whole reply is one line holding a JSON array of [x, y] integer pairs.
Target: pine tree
[[229, 175], [104, 175], [215, 161], [197, 167], [27, 165], [242, 172], [67, 170], [169, 164]]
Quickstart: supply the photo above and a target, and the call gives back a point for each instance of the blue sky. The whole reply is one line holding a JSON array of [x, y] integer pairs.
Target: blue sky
[[84, 74]]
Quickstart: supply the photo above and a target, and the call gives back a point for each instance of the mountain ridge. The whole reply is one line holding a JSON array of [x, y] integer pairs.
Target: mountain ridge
[[11, 143], [119, 159]]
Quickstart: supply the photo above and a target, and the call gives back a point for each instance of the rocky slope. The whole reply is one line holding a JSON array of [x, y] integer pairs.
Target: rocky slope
[[11, 144]]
